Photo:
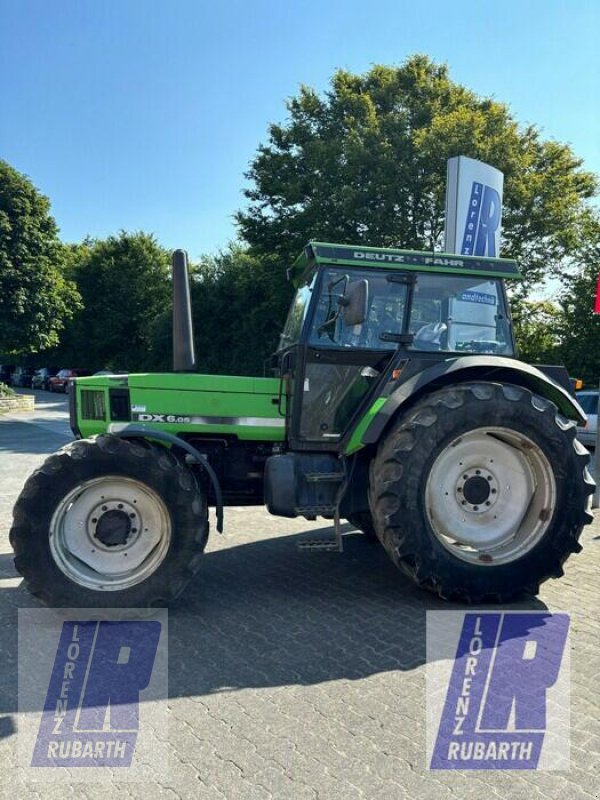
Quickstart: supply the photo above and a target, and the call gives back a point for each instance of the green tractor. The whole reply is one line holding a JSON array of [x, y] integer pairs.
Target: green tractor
[[397, 403]]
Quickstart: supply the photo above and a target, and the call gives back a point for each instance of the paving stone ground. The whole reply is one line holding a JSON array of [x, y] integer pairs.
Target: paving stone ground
[[297, 675]]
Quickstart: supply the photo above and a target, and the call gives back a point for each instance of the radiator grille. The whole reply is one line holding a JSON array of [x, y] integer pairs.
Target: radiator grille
[[92, 404]]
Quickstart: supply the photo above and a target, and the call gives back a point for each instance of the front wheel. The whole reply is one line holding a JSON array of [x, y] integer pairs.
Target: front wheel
[[108, 522], [481, 493]]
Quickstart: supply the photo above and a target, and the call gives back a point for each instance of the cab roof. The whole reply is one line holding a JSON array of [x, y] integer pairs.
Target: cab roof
[[389, 258]]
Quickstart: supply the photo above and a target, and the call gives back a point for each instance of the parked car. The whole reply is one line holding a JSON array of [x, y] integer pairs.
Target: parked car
[[22, 376], [42, 376], [6, 372], [588, 400], [60, 381]]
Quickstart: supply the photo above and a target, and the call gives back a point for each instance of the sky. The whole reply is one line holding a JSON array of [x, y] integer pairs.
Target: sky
[[145, 114]]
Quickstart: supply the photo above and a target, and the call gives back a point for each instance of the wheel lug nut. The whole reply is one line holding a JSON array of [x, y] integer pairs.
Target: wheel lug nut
[[489, 477], [120, 505], [477, 472], [104, 508], [459, 489], [493, 491], [94, 520], [464, 503], [132, 515], [475, 508], [487, 502]]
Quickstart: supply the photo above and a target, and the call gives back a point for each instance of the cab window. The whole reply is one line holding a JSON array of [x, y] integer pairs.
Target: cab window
[[459, 314], [386, 308]]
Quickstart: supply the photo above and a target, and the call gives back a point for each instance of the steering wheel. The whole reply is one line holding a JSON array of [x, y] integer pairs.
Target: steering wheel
[[429, 336]]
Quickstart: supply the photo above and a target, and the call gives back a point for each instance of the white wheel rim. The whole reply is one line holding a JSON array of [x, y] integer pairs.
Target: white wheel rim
[[110, 533], [500, 523]]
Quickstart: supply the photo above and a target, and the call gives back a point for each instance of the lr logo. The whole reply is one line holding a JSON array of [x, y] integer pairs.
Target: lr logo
[[498, 712], [91, 712], [483, 220]]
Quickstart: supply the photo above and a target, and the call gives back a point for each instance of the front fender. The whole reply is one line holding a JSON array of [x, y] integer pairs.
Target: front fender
[[468, 368]]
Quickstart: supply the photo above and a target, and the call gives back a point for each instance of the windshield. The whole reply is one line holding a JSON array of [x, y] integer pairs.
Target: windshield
[[450, 313], [297, 314]]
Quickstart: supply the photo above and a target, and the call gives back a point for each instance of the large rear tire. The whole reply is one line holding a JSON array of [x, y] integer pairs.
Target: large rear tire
[[109, 522], [481, 492]]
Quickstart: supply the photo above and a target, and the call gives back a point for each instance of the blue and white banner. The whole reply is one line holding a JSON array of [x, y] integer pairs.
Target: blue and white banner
[[473, 208]]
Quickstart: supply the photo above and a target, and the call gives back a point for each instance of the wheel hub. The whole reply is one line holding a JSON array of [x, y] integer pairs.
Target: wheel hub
[[114, 524], [113, 528], [476, 489]]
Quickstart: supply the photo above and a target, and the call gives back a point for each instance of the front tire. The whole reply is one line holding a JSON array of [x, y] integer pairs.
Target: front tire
[[481, 493], [109, 522]]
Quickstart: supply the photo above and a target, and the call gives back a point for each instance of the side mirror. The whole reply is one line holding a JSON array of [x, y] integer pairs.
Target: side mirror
[[355, 302]]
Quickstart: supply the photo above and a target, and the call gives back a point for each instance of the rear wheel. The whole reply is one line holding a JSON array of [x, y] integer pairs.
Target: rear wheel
[[109, 522], [481, 493]]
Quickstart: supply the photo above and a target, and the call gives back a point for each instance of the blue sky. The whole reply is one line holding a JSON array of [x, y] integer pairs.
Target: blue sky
[[144, 114]]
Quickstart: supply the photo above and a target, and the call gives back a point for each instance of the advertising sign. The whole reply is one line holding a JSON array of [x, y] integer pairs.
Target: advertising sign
[[473, 208]]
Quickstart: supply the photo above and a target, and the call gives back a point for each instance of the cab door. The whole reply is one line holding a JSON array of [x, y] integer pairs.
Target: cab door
[[337, 367]]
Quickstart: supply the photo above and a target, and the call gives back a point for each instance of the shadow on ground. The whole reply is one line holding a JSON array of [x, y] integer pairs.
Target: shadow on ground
[[265, 614], [23, 438]]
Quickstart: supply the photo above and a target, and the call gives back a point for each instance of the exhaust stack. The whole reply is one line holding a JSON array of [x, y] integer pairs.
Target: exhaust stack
[[184, 358]]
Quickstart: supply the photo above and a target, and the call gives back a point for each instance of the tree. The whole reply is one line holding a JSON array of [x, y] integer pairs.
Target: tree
[[367, 163], [580, 327], [238, 303], [538, 327], [36, 299], [124, 283]]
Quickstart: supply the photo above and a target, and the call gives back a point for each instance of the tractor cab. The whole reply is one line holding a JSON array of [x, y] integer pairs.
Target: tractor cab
[[360, 314]]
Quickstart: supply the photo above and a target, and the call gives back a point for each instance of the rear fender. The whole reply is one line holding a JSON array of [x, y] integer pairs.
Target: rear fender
[[471, 368]]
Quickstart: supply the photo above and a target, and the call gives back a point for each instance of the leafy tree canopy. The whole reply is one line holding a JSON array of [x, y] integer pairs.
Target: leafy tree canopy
[[366, 163], [124, 284], [35, 296], [238, 302], [537, 325], [579, 327]]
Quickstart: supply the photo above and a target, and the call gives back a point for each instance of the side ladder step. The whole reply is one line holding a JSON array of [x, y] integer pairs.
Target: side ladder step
[[331, 545], [323, 545], [317, 477]]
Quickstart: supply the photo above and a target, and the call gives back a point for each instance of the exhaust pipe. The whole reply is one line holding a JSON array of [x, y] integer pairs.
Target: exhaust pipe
[[184, 358]]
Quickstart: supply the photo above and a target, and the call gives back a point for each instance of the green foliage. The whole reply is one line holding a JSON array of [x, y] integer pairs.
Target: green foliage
[[580, 327], [537, 326], [367, 163], [238, 304], [6, 391], [238, 301], [35, 296], [124, 283]]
